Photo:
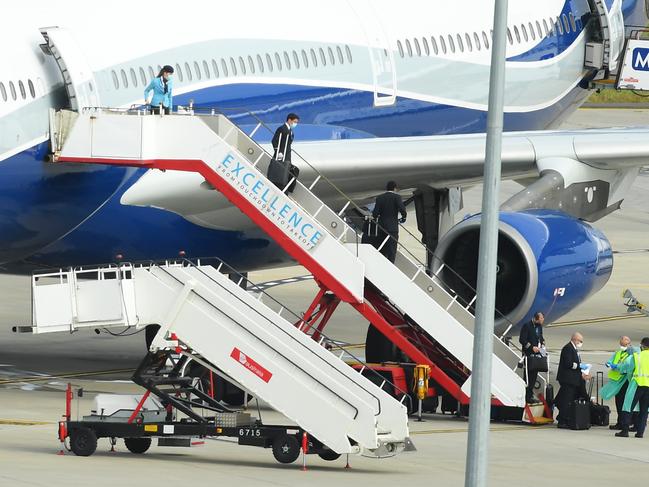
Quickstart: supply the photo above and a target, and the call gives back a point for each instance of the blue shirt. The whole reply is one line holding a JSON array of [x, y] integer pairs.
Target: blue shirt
[[159, 96]]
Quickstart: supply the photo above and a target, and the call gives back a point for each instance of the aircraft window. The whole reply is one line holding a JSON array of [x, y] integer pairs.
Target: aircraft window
[[124, 78], [433, 43], [251, 64], [451, 43], [224, 67], [133, 77], [409, 47], [417, 47], [197, 70], [566, 24], [467, 41], [21, 85], [509, 36], [525, 36], [3, 92], [400, 47], [151, 72], [296, 60], [188, 70], [260, 63], [115, 79], [485, 39], [142, 76], [332, 59], [278, 62], [269, 62], [32, 91], [532, 32], [517, 34], [442, 44], [476, 40], [215, 68], [233, 66], [559, 26], [314, 59], [179, 72], [545, 27], [424, 41], [539, 30], [322, 57], [242, 65], [573, 22], [349, 53], [460, 44], [287, 60], [341, 58], [305, 59]]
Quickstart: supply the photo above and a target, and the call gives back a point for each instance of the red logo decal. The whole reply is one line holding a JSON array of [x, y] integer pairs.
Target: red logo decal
[[250, 364]]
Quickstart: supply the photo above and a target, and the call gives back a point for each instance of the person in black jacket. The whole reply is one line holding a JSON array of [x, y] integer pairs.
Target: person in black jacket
[[571, 378], [283, 138], [387, 208], [531, 339]]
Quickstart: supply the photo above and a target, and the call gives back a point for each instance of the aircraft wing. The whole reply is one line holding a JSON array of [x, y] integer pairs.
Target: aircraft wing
[[585, 173]]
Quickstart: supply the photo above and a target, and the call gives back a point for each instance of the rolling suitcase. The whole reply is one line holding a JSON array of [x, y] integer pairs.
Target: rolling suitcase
[[599, 413], [278, 173], [579, 414]]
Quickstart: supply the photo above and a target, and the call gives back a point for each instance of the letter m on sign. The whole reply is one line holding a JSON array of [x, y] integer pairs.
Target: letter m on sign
[[641, 59]]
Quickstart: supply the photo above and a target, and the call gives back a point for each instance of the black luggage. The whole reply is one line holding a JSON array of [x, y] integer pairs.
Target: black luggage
[[370, 231], [579, 414], [278, 173], [549, 396], [449, 403], [599, 413]]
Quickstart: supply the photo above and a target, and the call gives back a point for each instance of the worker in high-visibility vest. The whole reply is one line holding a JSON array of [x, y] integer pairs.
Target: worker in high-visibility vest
[[618, 382], [640, 361]]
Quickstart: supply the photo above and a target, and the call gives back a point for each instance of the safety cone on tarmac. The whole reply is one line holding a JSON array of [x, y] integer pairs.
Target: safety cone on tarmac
[[62, 435], [305, 448]]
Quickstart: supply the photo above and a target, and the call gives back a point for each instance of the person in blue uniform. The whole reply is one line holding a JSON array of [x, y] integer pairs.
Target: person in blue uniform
[[162, 88]]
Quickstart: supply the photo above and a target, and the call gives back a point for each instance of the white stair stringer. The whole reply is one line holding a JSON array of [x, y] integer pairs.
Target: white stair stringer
[[506, 385], [309, 384]]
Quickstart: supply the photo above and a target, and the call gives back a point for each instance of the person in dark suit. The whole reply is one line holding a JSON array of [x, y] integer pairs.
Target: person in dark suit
[[283, 138], [386, 211], [531, 339], [571, 378]]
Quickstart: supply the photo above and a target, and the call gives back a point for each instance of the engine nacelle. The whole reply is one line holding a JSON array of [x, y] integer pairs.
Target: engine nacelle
[[547, 261]]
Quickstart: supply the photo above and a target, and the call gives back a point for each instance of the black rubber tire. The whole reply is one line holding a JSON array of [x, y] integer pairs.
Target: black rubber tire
[[379, 349], [329, 455], [83, 442], [286, 448], [137, 445]]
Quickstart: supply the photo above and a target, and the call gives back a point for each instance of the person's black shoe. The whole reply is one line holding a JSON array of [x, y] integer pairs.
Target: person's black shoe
[[622, 434], [615, 427], [637, 435]]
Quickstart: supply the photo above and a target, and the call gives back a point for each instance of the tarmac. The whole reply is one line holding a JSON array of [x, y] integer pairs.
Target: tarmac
[[35, 369]]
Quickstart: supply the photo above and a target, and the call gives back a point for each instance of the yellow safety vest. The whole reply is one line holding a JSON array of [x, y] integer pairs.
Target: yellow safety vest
[[620, 356], [641, 371]]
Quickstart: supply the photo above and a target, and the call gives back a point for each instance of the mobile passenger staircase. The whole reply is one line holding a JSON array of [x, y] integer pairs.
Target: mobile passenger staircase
[[417, 312]]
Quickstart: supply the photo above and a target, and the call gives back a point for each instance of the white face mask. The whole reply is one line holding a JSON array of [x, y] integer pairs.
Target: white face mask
[[623, 348], [579, 345]]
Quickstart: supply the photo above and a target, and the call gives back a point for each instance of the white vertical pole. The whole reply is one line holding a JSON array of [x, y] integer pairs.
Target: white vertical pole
[[480, 408]]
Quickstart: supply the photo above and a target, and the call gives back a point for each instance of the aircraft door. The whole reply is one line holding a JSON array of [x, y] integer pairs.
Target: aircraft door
[[380, 50], [80, 83], [612, 31]]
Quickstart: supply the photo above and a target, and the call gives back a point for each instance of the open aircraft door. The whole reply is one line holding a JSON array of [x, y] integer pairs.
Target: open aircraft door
[[607, 52], [384, 72], [78, 77]]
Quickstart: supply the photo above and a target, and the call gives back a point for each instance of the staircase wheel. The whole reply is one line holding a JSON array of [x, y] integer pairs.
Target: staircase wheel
[[329, 455], [83, 441], [137, 445], [378, 348], [286, 448]]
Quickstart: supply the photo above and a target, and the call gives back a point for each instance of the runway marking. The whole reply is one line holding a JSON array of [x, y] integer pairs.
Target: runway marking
[[70, 375], [590, 321], [466, 430], [23, 422]]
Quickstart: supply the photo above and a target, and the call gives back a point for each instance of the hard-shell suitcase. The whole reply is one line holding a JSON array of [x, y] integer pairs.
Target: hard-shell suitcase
[[278, 173], [599, 413], [579, 415], [549, 395]]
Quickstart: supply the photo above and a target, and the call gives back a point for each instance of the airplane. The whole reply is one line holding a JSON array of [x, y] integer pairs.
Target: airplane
[[384, 90]]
